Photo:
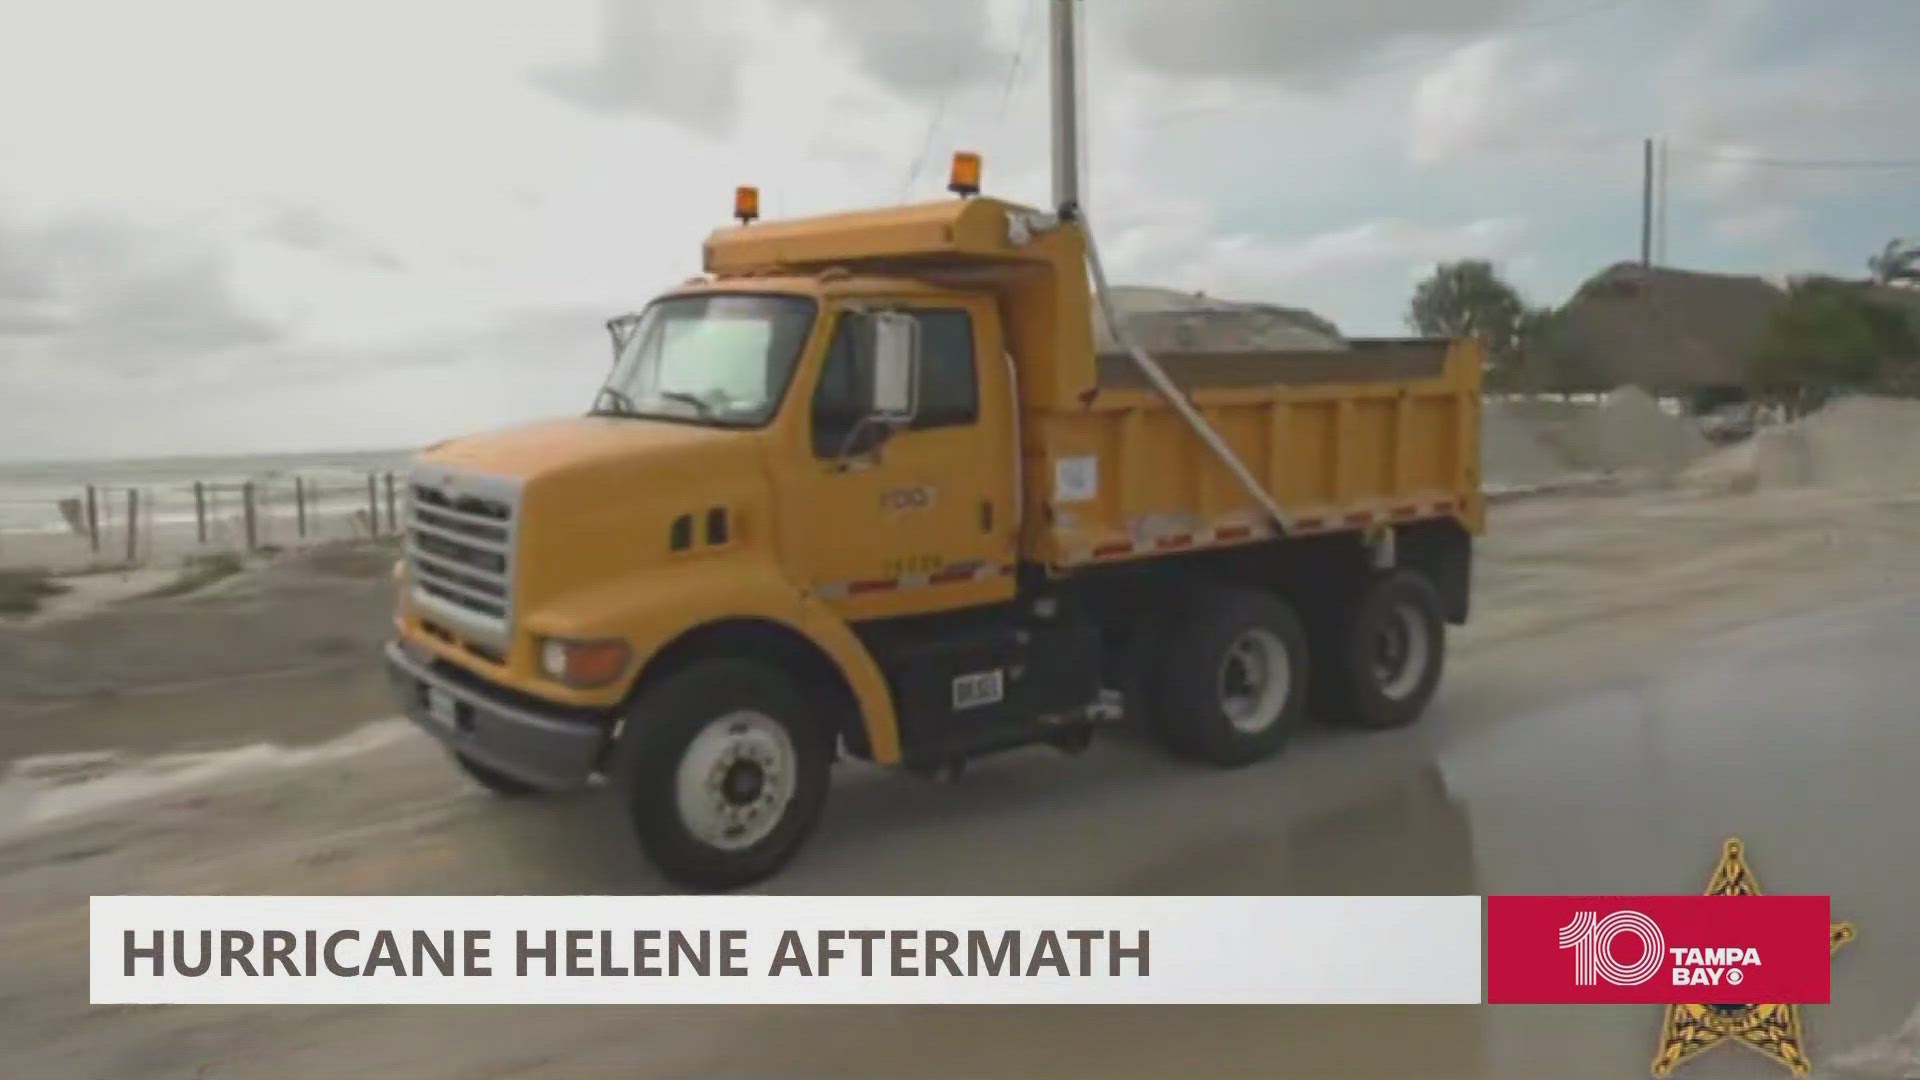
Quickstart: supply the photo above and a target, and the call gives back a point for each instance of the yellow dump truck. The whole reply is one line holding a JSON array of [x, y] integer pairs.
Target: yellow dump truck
[[866, 489]]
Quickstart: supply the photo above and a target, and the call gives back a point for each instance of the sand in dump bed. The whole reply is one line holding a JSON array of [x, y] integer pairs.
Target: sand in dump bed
[[1166, 320]]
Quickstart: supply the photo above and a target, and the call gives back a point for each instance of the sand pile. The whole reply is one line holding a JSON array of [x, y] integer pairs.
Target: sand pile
[[1631, 434], [1864, 442], [1730, 468], [1516, 450], [1856, 443]]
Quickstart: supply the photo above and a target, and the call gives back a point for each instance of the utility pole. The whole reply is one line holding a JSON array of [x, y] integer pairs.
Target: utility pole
[[1646, 207], [1066, 111], [1666, 192]]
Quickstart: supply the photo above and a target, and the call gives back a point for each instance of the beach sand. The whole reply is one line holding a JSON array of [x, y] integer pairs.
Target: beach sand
[[169, 543], [327, 606]]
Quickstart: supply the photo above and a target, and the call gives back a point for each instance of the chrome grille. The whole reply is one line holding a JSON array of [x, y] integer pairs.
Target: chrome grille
[[460, 539]]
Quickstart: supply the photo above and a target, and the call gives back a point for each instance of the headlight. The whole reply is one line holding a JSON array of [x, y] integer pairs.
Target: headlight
[[583, 664]]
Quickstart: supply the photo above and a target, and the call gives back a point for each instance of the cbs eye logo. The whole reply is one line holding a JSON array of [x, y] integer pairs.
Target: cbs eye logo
[[1591, 938]]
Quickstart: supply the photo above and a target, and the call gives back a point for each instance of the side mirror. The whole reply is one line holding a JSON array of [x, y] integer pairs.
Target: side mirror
[[896, 366]]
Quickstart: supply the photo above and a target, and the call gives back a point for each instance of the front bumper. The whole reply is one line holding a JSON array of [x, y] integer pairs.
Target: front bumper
[[546, 749]]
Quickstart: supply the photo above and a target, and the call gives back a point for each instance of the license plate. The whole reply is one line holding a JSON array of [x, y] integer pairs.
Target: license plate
[[442, 707]]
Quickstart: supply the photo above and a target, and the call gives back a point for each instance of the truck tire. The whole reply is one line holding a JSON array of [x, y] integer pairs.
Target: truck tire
[[1379, 658], [1232, 679], [494, 780], [722, 769]]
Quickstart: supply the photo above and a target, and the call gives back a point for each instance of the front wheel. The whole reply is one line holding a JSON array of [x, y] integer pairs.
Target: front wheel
[[723, 771], [1232, 679]]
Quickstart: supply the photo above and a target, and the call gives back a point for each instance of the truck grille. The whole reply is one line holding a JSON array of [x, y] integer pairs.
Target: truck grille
[[460, 541]]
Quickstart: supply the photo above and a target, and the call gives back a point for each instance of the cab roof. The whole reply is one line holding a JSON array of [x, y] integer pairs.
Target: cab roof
[[949, 229], [823, 284]]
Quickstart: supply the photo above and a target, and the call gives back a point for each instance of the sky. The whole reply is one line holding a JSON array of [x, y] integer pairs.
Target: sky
[[244, 226]]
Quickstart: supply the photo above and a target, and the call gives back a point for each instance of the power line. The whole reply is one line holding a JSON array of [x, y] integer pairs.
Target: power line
[[1027, 27], [926, 146], [1765, 161], [1391, 60], [1015, 62]]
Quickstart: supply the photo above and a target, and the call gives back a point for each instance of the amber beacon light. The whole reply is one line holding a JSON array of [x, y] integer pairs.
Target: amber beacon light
[[965, 179], [746, 204]]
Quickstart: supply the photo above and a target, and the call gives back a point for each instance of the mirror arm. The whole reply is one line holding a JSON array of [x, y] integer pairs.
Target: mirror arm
[[845, 452]]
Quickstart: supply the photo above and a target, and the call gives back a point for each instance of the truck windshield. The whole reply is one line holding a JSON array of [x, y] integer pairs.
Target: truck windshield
[[720, 359]]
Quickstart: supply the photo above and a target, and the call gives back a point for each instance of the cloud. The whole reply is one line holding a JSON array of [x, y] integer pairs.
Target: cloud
[[1302, 44], [306, 229], [1278, 267], [1151, 238], [1759, 224], [1485, 96], [531, 338], [296, 396], [104, 294], [365, 221], [916, 48], [676, 62]]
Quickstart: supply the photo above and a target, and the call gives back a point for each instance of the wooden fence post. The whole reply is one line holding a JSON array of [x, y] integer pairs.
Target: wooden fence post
[[393, 514], [373, 505], [200, 511], [300, 506], [252, 520], [93, 517], [133, 524]]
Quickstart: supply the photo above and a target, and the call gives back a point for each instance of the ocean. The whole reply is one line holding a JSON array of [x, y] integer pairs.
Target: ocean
[[31, 493]]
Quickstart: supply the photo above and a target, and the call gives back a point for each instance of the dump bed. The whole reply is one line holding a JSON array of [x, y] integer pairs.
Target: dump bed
[[1379, 433]]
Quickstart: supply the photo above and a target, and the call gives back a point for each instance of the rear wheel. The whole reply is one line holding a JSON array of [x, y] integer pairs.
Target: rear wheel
[[723, 771], [1232, 678], [1380, 659]]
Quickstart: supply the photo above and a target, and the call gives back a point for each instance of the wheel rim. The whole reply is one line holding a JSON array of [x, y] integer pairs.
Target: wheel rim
[[1402, 650], [1255, 681], [736, 779]]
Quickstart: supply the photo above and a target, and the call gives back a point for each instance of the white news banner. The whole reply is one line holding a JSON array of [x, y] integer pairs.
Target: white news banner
[[785, 950]]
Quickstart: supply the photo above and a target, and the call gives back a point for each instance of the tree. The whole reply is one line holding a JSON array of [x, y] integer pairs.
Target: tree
[[1469, 299], [1830, 335], [1897, 263], [1552, 359]]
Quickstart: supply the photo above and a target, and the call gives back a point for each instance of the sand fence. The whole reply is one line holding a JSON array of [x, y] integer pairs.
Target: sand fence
[[104, 525]]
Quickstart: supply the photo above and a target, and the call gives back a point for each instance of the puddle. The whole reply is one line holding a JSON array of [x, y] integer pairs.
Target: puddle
[[1895, 1057], [46, 788]]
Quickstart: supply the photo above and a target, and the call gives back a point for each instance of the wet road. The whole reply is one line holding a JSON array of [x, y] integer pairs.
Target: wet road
[[1609, 758]]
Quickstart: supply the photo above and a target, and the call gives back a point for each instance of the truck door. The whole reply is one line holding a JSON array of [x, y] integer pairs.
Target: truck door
[[923, 519]]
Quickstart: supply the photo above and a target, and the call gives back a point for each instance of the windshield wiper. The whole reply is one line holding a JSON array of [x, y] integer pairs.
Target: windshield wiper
[[688, 399], [622, 404]]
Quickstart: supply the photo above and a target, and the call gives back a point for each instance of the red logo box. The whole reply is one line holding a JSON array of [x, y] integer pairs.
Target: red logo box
[[1658, 950]]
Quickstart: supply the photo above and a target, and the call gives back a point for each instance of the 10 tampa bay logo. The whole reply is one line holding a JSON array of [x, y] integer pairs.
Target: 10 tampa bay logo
[[1593, 941]]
